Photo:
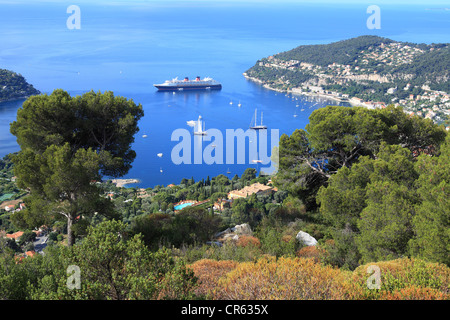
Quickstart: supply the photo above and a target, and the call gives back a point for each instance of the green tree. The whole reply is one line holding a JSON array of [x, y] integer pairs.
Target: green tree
[[432, 220], [69, 142], [374, 202], [338, 137], [64, 181]]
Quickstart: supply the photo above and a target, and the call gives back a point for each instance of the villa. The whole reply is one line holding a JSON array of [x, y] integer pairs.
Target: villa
[[258, 188]]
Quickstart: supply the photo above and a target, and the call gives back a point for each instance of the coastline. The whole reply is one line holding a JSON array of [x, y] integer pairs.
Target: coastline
[[294, 91], [123, 182], [15, 99]]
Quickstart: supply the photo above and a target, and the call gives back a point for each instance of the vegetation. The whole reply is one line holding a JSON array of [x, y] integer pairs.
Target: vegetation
[[344, 67], [371, 186], [66, 143], [14, 86]]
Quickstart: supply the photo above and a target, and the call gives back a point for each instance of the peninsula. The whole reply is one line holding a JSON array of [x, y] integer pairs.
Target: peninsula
[[14, 86], [368, 71]]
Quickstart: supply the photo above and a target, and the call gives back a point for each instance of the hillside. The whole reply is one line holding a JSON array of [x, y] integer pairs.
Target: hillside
[[371, 68], [14, 86]]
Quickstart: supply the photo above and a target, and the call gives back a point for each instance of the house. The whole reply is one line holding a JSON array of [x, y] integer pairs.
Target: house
[[30, 253], [9, 208], [221, 204], [257, 188], [15, 235]]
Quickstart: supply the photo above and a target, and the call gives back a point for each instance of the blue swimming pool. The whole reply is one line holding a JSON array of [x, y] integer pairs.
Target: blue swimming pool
[[183, 205]]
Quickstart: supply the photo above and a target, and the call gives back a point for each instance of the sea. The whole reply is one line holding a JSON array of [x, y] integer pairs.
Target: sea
[[127, 46]]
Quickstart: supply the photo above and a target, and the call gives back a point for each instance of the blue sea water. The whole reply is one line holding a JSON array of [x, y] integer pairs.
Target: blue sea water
[[126, 47]]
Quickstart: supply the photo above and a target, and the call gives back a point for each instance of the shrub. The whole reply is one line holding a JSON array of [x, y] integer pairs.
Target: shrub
[[406, 278], [314, 252], [209, 272], [245, 241], [285, 279]]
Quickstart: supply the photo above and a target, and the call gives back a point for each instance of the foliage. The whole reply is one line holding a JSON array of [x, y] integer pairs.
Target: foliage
[[338, 137], [112, 266], [14, 86], [406, 279], [209, 272], [432, 219], [282, 279], [189, 226], [69, 142]]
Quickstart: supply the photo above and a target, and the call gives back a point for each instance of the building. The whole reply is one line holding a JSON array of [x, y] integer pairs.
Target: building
[[9, 208], [221, 204], [15, 235], [256, 188]]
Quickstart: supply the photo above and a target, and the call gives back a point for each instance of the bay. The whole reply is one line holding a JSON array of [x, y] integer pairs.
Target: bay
[[128, 47]]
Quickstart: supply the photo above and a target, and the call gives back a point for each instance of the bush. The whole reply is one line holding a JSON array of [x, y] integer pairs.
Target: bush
[[313, 252], [285, 279], [245, 241], [406, 279], [209, 272]]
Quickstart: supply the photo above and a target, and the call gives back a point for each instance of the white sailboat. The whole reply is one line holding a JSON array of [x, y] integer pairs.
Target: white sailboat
[[200, 131], [255, 126], [257, 160]]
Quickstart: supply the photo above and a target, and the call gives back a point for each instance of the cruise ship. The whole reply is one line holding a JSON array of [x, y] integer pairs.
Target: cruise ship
[[186, 84]]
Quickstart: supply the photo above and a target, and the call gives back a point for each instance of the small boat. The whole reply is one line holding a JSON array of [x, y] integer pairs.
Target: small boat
[[200, 131], [144, 136], [239, 104], [257, 159], [160, 170], [160, 155], [255, 126], [228, 171]]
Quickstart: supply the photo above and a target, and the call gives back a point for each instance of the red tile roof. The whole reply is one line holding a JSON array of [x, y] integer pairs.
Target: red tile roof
[[15, 235]]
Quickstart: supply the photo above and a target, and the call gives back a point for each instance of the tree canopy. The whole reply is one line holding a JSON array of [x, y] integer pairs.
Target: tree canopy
[[338, 137], [67, 144]]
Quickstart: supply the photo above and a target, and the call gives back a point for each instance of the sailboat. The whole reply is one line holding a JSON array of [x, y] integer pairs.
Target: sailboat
[[257, 159], [200, 131], [239, 104], [255, 126], [228, 171]]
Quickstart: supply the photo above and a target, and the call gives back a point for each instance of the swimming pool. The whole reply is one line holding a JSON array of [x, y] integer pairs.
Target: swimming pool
[[183, 205]]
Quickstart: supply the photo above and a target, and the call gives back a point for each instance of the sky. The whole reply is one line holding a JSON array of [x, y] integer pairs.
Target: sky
[[431, 3]]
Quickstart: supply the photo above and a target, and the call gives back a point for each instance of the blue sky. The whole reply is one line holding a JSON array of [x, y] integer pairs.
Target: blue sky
[[430, 3]]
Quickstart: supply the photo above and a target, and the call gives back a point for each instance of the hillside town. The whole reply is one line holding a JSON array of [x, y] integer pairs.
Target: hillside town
[[416, 99]]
